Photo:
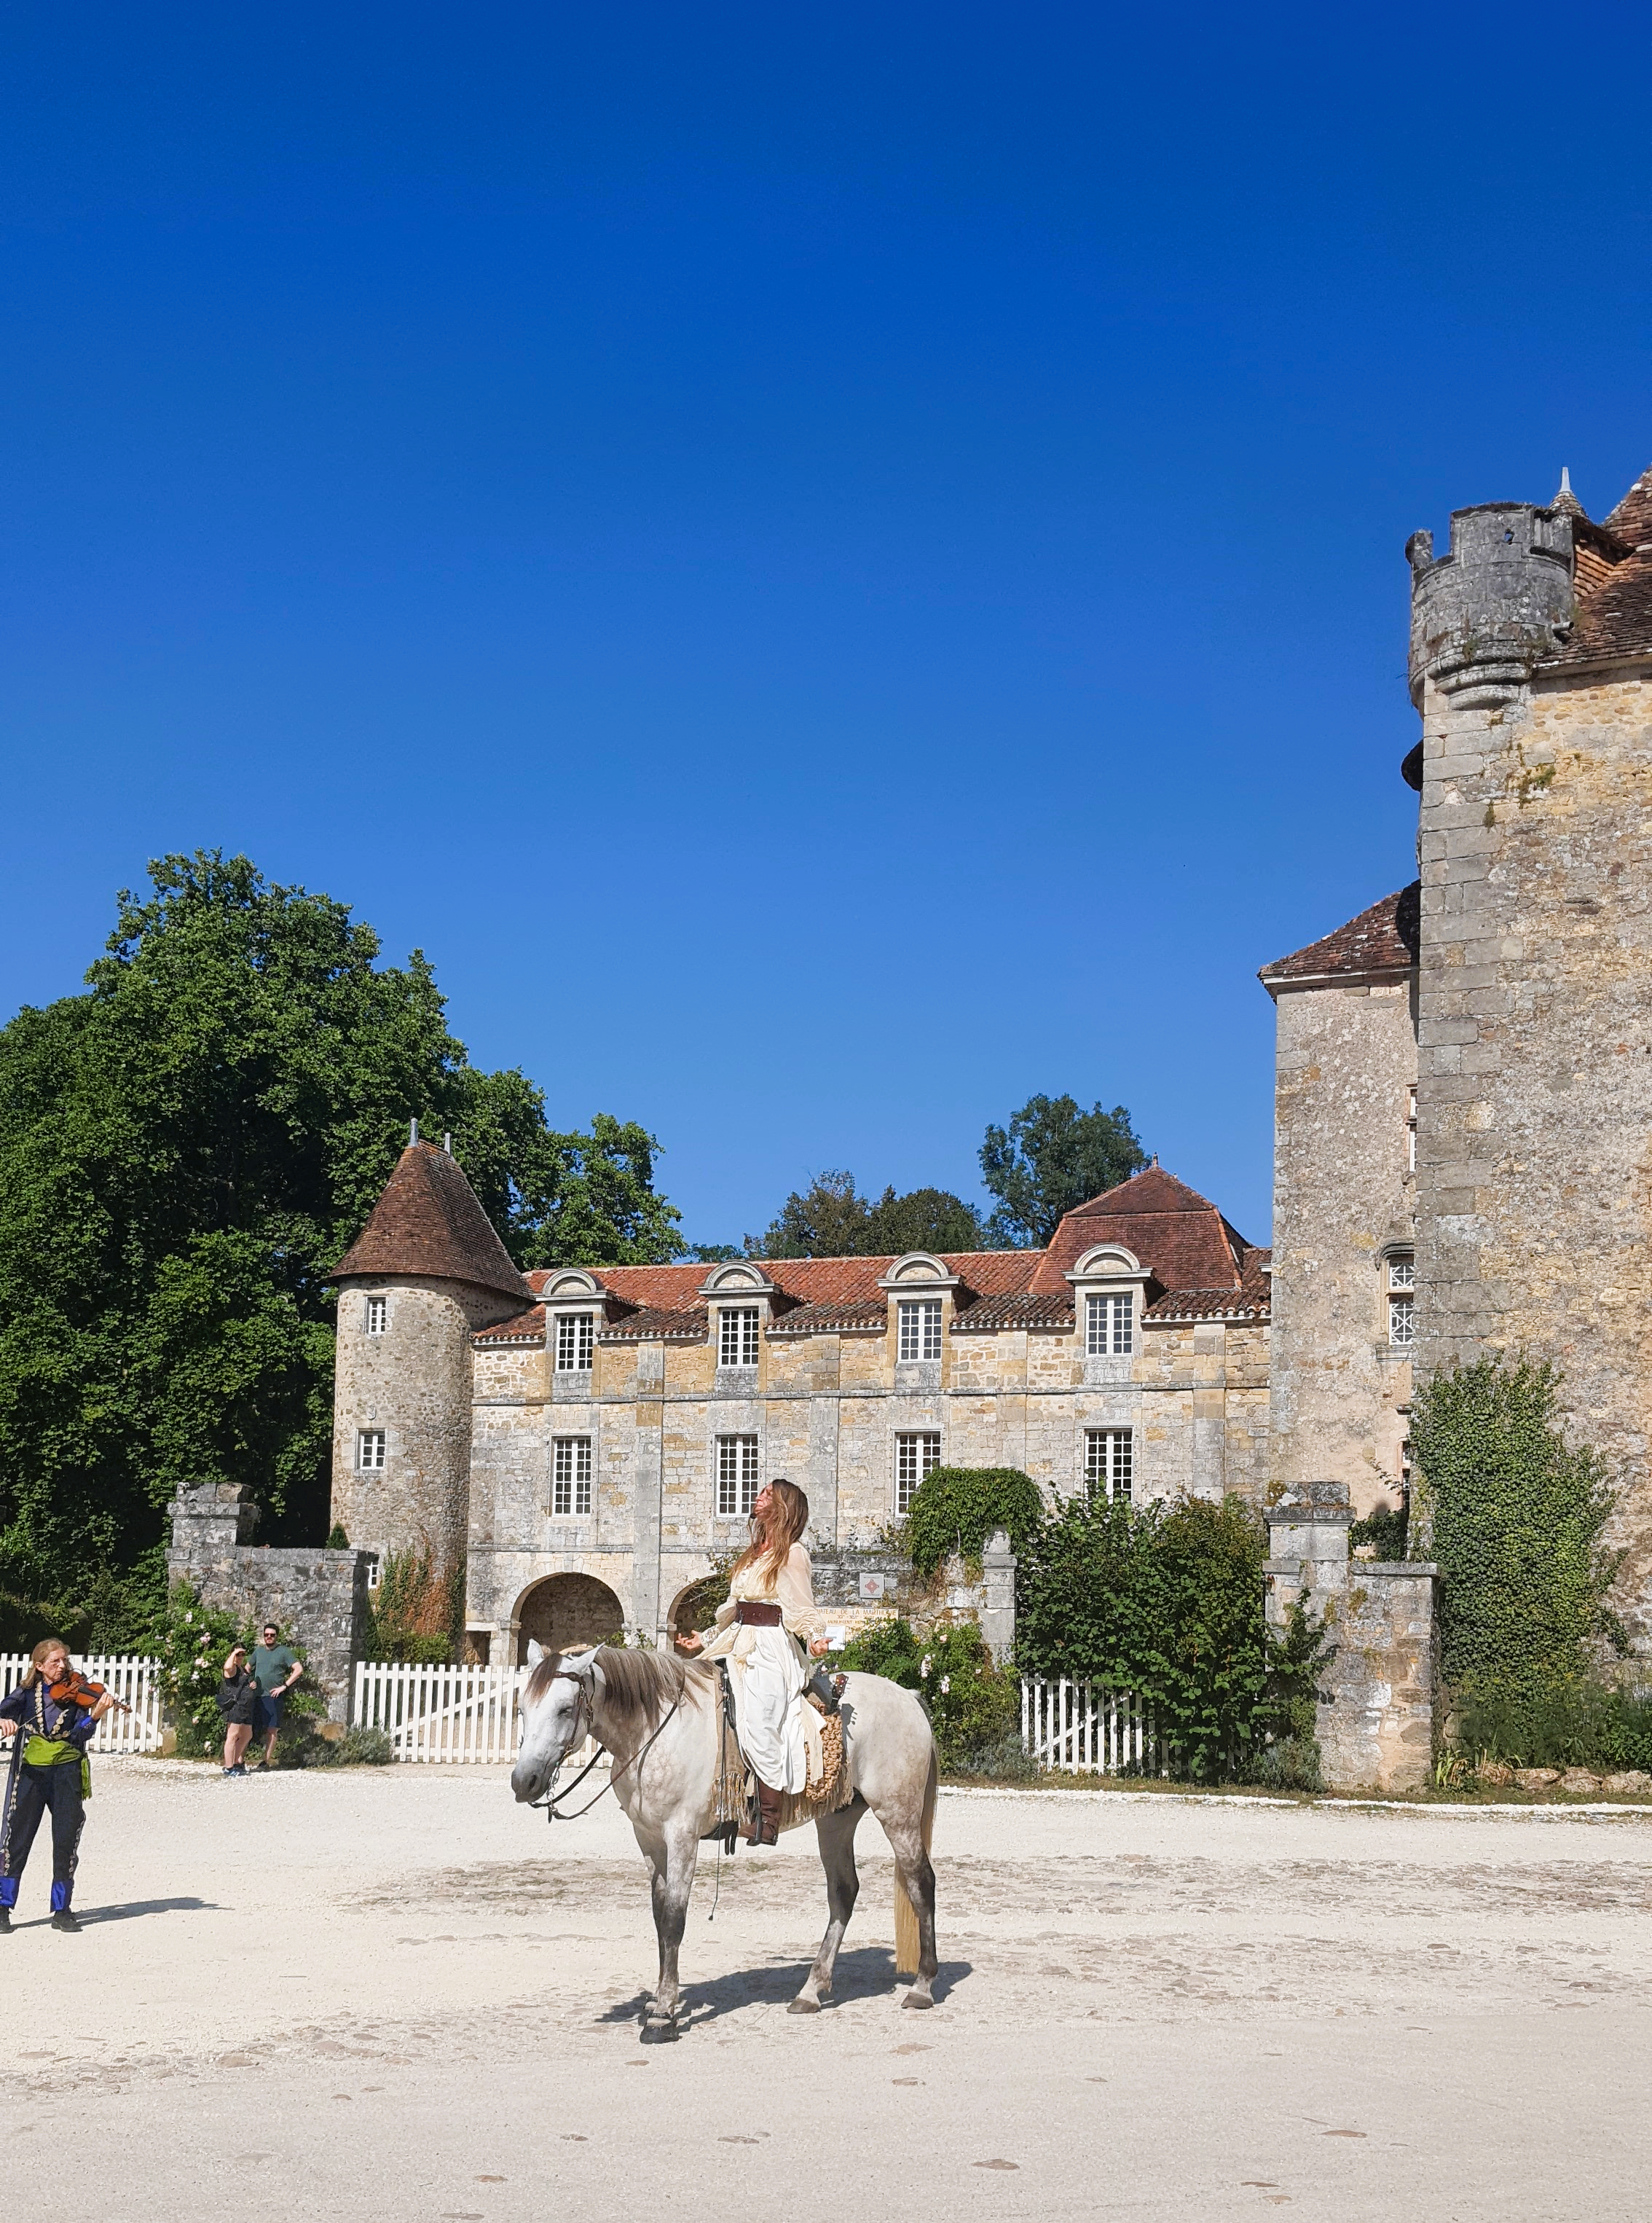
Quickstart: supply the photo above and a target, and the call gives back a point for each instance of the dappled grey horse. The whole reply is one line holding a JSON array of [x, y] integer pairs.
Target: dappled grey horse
[[659, 1718]]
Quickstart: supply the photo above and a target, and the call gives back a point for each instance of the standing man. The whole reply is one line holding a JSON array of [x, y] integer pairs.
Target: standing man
[[276, 1668]]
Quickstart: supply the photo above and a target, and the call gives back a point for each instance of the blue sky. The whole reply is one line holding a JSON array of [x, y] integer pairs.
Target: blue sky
[[833, 569]]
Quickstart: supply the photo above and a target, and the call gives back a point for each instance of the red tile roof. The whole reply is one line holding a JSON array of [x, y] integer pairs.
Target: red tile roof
[[428, 1222], [1187, 1246], [1179, 1235], [1612, 580], [1379, 944]]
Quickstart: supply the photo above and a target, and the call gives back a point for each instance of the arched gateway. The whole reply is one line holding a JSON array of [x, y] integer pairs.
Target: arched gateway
[[565, 1611]]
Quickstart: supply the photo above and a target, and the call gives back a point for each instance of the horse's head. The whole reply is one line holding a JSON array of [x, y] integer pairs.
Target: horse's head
[[557, 1707]]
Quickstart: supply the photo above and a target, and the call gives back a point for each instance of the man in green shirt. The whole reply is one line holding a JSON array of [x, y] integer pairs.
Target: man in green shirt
[[276, 1668]]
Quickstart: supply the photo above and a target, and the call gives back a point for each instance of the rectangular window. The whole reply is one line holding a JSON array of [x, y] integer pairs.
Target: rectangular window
[[570, 1476], [574, 1335], [914, 1457], [1107, 1462], [920, 1330], [1411, 1131], [378, 1315], [737, 1475], [373, 1571], [1109, 1331], [1401, 1283], [737, 1335], [370, 1451]]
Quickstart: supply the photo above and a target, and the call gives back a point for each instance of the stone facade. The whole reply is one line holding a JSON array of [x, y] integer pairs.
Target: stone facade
[[606, 1437], [1530, 959], [319, 1599], [1345, 1217]]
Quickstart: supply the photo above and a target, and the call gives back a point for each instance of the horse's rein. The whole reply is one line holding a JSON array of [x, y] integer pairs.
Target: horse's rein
[[549, 1801]]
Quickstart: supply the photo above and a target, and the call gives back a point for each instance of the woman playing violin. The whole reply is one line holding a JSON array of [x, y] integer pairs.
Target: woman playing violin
[[49, 1719]]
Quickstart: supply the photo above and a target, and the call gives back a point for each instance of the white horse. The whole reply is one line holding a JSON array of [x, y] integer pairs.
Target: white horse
[[658, 1718]]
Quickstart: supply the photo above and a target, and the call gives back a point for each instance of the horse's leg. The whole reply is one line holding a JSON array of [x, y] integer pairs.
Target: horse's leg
[[836, 1833], [673, 1865], [909, 1833]]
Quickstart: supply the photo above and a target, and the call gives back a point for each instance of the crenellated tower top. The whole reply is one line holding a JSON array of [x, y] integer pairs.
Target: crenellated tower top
[[1501, 603]]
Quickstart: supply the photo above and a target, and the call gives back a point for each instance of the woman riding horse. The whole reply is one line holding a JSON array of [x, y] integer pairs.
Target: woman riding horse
[[769, 1614]]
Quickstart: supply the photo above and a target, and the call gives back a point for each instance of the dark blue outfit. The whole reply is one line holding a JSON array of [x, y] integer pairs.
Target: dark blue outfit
[[30, 1791]]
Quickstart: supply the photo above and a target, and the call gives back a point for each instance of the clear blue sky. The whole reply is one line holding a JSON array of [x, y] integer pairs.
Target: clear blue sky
[[834, 568]]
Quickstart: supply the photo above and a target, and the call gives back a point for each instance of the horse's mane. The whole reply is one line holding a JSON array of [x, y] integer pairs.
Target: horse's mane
[[638, 1688]]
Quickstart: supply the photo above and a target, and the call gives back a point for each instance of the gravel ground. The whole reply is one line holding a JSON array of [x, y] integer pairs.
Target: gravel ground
[[393, 1993]]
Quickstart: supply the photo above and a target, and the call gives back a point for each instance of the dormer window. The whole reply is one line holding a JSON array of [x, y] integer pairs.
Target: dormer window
[[575, 1333], [1109, 1325], [378, 1315], [1401, 1274], [737, 1335], [920, 1329]]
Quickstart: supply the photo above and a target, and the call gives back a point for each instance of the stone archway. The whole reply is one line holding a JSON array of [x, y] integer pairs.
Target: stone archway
[[565, 1611], [693, 1608]]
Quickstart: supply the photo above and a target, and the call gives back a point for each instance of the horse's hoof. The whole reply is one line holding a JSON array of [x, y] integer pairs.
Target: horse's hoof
[[914, 1998], [658, 2030], [803, 2004]]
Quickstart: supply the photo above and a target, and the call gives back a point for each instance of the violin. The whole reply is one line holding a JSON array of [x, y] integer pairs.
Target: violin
[[78, 1689]]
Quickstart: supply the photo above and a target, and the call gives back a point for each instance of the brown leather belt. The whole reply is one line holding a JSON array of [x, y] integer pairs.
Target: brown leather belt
[[756, 1616]]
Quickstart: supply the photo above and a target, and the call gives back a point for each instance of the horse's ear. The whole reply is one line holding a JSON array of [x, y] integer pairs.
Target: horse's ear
[[536, 1652]]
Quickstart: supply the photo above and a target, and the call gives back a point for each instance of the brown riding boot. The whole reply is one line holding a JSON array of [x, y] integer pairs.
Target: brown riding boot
[[765, 1822]]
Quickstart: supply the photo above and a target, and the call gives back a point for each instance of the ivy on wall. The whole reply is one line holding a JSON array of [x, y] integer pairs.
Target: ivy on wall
[[955, 1508]]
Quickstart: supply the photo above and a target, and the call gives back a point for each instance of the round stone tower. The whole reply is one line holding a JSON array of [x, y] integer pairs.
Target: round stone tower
[[425, 1273]]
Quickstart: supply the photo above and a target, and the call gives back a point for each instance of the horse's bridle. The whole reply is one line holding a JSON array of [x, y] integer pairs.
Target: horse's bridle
[[584, 1704]]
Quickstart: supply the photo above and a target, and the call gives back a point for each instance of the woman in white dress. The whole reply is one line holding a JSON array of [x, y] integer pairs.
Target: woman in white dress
[[769, 1615]]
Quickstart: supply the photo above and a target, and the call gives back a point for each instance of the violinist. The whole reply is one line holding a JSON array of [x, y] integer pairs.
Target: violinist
[[49, 1719]]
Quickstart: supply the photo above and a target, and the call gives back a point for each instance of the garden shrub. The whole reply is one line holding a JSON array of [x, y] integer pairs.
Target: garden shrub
[[416, 1616], [1166, 1600], [357, 1748], [973, 1705], [1385, 1530], [955, 1508], [1516, 1517]]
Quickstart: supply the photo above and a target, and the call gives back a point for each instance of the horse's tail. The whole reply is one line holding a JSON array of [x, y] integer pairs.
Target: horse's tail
[[906, 1914]]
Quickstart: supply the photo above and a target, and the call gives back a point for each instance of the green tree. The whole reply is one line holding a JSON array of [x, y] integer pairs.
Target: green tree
[[185, 1151], [832, 1219], [1516, 1517], [1051, 1156]]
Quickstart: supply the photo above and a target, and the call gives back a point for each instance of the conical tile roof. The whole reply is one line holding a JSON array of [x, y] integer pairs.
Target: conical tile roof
[[429, 1221]]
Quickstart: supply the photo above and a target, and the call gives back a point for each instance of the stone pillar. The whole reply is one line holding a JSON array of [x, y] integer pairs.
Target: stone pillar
[[1377, 1694], [998, 1602]]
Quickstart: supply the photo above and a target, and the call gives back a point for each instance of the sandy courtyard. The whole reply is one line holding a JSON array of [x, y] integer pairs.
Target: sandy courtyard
[[393, 1993]]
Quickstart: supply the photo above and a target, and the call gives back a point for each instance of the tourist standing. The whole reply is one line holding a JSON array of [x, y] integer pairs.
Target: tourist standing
[[49, 1771], [238, 1703], [276, 1668]]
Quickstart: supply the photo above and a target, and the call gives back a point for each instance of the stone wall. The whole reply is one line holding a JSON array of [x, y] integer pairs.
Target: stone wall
[[1378, 1694], [318, 1598], [1343, 1198], [1535, 1068]]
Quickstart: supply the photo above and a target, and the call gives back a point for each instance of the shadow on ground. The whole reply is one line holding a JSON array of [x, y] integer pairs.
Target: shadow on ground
[[866, 1972]]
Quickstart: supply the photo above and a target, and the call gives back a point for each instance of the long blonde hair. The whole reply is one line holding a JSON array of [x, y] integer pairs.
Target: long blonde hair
[[41, 1652], [771, 1544]]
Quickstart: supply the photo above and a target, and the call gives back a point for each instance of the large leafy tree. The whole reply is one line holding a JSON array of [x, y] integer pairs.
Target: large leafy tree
[[1051, 1156], [185, 1151], [832, 1219]]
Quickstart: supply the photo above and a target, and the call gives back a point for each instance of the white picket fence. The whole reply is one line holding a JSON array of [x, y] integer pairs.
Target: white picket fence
[[448, 1714], [136, 1680], [1082, 1730]]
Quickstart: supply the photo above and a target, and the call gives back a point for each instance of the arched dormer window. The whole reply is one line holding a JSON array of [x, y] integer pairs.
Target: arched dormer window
[[740, 1298], [1109, 1287], [918, 1285]]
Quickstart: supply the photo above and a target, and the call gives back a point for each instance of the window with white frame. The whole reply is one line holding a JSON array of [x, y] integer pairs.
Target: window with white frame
[[1411, 1131], [920, 1329], [1107, 1462], [914, 1457], [1401, 1269], [372, 1570], [370, 1451], [737, 1335], [574, 1331], [378, 1315], [570, 1476], [1109, 1326], [736, 1476]]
